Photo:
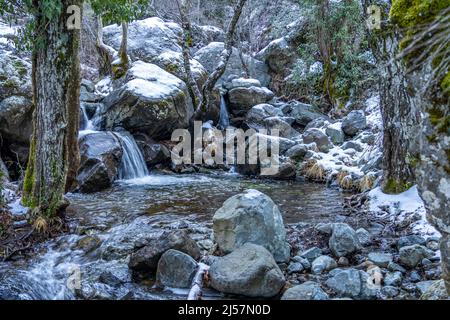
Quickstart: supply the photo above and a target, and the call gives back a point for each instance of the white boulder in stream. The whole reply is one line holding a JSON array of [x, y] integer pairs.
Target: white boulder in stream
[[151, 101], [251, 217], [250, 271]]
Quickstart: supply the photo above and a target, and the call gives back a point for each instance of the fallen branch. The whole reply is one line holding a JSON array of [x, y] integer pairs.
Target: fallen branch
[[197, 284]]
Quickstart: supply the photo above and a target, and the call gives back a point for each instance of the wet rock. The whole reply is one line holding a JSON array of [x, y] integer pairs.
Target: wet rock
[[249, 270], [335, 133], [151, 102], [410, 240], [286, 171], [251, 217], [16, 119], [15, 76], [393, 279], [319, 138], [176, 269], [260, 112], [354, 122], [351, 283], [243, 99], [297, 152], [414, 276], [115, 275], [435, 291], [343, 240], [311, 254], [154, 153], [88, 243], [343, 262], [364, 236], [380, 259], [210, 56], [323, 264], [146, 259], [101, 154], [306, 291], [410, 256]]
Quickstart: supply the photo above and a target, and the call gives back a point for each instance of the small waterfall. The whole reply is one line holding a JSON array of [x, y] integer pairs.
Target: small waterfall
[[224, 118], [88, 124], [133, 165]]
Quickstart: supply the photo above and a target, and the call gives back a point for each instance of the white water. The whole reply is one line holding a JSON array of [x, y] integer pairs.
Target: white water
[[224, 117], [133, 165], [88, 126]]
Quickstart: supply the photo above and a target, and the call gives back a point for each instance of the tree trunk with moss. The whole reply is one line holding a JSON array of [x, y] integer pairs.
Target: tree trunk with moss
[[56, 86], [121, 65]]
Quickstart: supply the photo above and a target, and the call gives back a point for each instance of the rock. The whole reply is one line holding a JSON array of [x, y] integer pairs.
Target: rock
[[319, 138], [414, 276], [393, 279], [351, 283], [242, 83], [352, 145], [410, 256], [258, 113], [15, 76], [279, 55], [115, 275], [318, 123], [251, 217], [305, 262], [204, 35], [155, 153], [101, 154], [283, 128], [380, 259], [4, 175], [249, 270], [354, 122], [343, 240], [302, 113], [323, 264], [306, 291], [296, 267], [176, 269], [410, 240], [88, 243], [16, 114], [390, 291], [343, 262], [286, 171], [364, 236], [435, 291], [311, 254], [334, 131], [297, 152], [146, 259], [151, 102], [423, 286], [433, 245], [210, 56], [243, 99], [154, 41], [324, 228]]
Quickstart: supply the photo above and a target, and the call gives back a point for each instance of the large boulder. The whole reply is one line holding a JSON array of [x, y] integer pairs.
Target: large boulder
[[146, 258], [305, 291], [176, 269], [210, 56], [317, 136], [411, 256], [354, 122], [343, 240], [334, 131], [101, 154], [351, 283], [151, 101], [15, 76], [302, 113], [154, 41], [250, 271], [260, 112], [242, 99], [251, 217]]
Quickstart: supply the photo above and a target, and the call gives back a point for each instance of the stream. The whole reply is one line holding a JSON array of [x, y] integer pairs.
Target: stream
[[135, 209]]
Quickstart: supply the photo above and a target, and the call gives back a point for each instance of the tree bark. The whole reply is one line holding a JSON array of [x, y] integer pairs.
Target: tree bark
[[107, 53], [56, 87], [220, 69]]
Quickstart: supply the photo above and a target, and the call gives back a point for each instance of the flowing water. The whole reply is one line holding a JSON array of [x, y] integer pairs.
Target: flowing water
[[224, 117], [133, 165], [134, 209]]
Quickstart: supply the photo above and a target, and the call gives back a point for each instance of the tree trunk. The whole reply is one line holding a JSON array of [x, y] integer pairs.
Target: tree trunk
[[220, 69], [107, 53], [56, 88], [123, 51]]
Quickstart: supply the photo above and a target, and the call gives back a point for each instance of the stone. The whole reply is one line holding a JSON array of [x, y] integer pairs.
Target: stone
[[176, 269], [249, 270], [305, 291], [297, 152], [414, 276], [305, 262], [435, 291], [242, 83], [323, 264], [343, 262], [343, 240], [351, 283], [155, 153], [364, 236], [393, 279], [380, 259], [354, 122], [115, 275], [286, 171], [423, 286], [258, 113], [16, 114], [410, 240], [251, 217], [334, 131], [243, 99], [210, 56], [15, 76], [390, 291], [296, 267], [319, 138], [146, 258], [150, 102], [410, 256], [311, 254], [101, 154], [302, 113], [352, 145]]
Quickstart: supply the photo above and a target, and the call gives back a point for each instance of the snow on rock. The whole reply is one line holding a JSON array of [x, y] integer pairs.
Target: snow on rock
[[401, 206]]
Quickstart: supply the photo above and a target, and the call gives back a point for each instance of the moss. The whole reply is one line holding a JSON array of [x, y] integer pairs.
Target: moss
[[172, 68], [439, 119], [445, 83], [411, 13], [27, 199], [393, 186], [10, 84]]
